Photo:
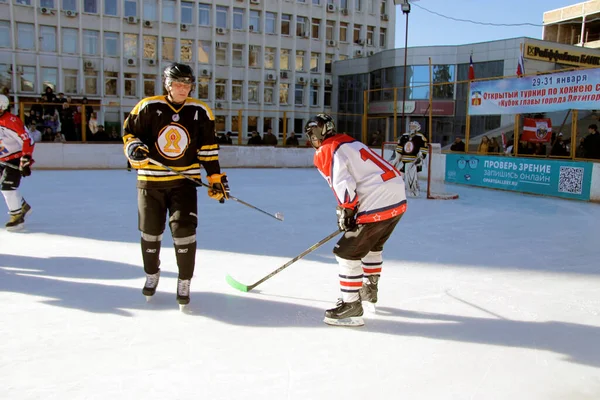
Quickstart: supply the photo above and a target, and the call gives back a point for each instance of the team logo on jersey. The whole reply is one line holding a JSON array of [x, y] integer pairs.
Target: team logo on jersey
[[175, 117], [409, 147], [172, 141]]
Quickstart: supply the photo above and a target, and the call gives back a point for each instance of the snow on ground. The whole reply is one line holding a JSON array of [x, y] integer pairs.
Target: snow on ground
[[492, 296]]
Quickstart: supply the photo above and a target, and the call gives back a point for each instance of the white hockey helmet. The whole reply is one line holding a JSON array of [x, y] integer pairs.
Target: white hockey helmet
[[414, 126], [4, 102]]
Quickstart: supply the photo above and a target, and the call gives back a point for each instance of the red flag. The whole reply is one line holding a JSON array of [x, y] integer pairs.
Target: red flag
[[520, 66], [537, 130], [471, 69], [503, 141]]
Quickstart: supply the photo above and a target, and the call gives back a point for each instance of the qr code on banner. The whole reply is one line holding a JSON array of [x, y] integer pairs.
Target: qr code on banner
[[570, 180]]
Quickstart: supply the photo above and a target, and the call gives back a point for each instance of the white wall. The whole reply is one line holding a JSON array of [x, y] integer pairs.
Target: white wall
[[595, 189]]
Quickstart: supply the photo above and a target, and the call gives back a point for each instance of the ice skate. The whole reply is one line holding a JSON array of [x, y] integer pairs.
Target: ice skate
[[16, 222], [368, 292], [345, 314], [150, 285], [183, 293]]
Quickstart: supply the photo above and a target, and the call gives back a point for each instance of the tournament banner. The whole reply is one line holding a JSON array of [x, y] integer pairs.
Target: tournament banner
[[536, 130], [578, 90], [558, 178]]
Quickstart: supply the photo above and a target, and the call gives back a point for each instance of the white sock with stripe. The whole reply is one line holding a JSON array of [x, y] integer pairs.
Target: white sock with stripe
[[350, 274], [371, 264]]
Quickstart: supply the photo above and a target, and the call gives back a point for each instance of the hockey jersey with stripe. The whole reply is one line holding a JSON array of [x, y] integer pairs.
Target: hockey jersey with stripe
[[359, 176], [179, 136], [14, 139]]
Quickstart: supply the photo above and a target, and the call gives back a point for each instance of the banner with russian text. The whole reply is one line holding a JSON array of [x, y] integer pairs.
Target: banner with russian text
[[578, 90], [558, 178]]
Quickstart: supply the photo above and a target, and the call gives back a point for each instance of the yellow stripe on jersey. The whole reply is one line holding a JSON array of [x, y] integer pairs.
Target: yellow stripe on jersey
[[165, 178], [211, 158], [202, 104], [180, 169], [144, 102], [207, 147]]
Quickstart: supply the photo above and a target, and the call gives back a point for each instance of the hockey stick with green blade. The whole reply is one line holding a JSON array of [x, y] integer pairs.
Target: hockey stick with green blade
[[246, 288], [278, 216]]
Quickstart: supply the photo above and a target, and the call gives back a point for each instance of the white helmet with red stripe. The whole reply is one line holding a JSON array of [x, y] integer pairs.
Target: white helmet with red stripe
[[4, 102]]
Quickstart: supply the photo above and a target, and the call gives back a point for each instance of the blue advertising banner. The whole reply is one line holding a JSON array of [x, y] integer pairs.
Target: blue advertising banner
[[545, 93], [557, 178]]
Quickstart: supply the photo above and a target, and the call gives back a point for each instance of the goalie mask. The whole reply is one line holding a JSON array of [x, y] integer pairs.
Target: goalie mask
[[319, 128], [414, 127]]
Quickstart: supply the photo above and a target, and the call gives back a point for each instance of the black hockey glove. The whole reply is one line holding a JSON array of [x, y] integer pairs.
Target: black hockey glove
[[346, 218], [137, 153], [219, 187], [25, 165]]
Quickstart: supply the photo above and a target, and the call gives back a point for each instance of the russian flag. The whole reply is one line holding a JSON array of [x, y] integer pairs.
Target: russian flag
[[521, 66], [471, 68]]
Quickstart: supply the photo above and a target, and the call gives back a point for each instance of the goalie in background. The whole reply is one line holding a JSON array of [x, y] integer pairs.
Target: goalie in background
[[410, 154]]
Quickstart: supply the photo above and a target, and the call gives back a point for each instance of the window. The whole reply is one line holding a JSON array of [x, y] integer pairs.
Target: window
[[220, 123], [328, 63], [149, 85], [382, 32], [129, 84], [316, 23], [168, 11], [314, 95], [91, 82], [25, 36], [315, 60], [238, 55], [356, 35], [130, 45], [284, 59], [204, 52], [327, 96], [358, 5], [49, 78], [90, 42], [254, 21], [299, 95], [371, 6], [270, 20], [301, 26], [150, 10], [220, 89], [111, 83], [285, 24], [370, 35], [70, 41], [316, 2], [5, 77], [329, 29], [186, 51], [70, 81], [187, 12], [253, 91], [270, 57], [300, 60], [343, 31], [254, 57], [110, 8], [237, 88], [268, 92], [168, 49], [383, 8], [238, 19], [221, 17], [150, 46], [90, 6], [28, 79], [344, 4], [44, 3], [204, 14], [221, 53], [130, 8], [48, 38], [283, 93], [203, 84], [69, 5], [111, 44]]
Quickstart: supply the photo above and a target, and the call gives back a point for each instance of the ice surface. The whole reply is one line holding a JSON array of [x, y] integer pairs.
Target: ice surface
[[492, 296]]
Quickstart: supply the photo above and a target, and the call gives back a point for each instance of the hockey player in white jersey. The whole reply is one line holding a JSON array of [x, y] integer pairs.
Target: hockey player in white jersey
[[371, 201], [410, 153]]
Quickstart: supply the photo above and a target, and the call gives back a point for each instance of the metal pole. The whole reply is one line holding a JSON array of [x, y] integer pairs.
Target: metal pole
[[403, 122]]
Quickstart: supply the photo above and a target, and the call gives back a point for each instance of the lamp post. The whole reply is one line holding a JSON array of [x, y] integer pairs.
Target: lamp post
[[405, 6]]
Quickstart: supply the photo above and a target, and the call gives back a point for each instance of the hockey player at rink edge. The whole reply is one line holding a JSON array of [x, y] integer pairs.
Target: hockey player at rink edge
[[410, 153], [177, 131], [371, 200], [16, 149]]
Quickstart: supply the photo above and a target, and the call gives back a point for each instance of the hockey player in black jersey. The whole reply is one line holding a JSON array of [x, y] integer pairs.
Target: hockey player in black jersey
[[410, 154], [177, 131]]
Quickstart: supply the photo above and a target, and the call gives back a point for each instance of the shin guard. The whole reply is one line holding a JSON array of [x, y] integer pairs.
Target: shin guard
[[185, 252], [151, 252]]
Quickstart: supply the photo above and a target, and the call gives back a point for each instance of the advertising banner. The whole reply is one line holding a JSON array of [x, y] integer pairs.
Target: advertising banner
[[535, 94], [556, 178]]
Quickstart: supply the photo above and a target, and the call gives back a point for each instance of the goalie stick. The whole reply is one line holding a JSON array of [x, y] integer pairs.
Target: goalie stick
[[246, 288], [278, 216]]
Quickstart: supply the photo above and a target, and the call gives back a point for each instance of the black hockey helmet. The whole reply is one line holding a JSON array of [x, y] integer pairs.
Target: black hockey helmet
[[176, 72], [319, 128]]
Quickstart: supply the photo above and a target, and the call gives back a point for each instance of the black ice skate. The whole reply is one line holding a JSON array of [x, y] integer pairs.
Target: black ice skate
[[183, 293], [368, 291], [150, 285], [345, 314]]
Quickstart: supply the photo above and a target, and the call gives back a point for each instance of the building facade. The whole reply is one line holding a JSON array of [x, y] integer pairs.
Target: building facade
[[578, 25], [254, 59]]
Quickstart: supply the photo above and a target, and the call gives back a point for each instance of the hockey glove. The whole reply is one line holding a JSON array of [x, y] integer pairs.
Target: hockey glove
[[137, 153], [346, 218], [219, 188], [25, 165]]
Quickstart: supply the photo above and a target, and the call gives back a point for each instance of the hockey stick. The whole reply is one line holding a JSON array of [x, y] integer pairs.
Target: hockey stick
[[8, 165], [278, 216], [246, 288]]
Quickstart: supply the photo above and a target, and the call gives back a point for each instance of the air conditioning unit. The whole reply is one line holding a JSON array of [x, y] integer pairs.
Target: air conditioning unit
[[184, 27], [254, 1], [301, 80], [131, 62], [151, 61], [205, 72], [148, 24], [360, 42], [71, 13], [46, 11], [271, 77], [132, 20], [315, 81], [251, 28], [283, 74], [221, 31], [331, 43], [328, 82], [219, 105], [358, 53], [384, 17], [345, 11], [330, 7], [370, 53], [88, 64]]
